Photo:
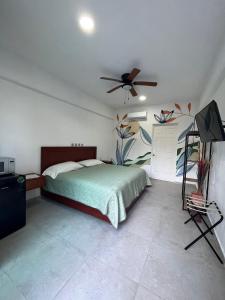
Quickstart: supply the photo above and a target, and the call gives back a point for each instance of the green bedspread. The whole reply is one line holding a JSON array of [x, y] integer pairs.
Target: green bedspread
[[107, 188]]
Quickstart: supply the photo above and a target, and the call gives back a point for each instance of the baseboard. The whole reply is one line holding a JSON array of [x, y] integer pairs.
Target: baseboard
[[33, 194]]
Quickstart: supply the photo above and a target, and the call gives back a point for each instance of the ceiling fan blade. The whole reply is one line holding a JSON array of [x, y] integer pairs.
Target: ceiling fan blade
[[133, 92], [146, 83], [115, 88], [133, 74], [111, 79]]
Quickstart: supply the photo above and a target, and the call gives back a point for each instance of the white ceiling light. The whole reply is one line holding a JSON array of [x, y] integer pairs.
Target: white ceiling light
[[86, 23], [127, 87], [142, 98]]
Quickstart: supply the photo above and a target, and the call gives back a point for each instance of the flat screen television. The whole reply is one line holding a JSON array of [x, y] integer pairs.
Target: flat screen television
[[209, 124]]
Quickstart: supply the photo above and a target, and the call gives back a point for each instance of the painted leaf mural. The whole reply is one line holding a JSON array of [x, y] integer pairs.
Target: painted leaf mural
[[140, 160], [192, 148], [125, 131], [123, 125], [145, 136], [124, 117], [131, 132], [166, 116], [127, 147], [180, 160], [144, 156], [179, 150], [189, 107], [189, 167], [118, 154], [170, 120], [183, 134], [127, 134], [178, 106], [119, 133]]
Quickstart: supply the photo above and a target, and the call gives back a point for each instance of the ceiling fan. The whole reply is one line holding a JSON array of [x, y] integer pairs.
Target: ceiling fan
[[127, 82]]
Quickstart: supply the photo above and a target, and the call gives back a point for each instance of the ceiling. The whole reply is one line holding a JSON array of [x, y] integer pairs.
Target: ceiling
[[174, 42]]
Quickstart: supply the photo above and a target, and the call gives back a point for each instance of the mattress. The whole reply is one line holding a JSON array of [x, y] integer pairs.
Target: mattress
[[108, 188]]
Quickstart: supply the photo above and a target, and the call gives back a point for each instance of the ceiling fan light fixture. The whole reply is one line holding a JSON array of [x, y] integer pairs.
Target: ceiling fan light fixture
[[127, 87], [142, 98]]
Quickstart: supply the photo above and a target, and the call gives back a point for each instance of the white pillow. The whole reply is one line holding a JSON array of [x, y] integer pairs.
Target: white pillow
[[68, 166], [91, 162]]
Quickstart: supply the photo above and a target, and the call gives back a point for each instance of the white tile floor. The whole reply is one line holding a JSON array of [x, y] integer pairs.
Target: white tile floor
[[64, 254]]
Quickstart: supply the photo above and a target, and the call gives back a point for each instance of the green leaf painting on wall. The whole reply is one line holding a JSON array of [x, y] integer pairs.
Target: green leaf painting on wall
[[144, 156], [194, 145], [127, 148], [124, 132], [146, 138], [128, 134], [182, 136], [165, 116], [140, 160], [181, 169], [192, 148], [118, 154]]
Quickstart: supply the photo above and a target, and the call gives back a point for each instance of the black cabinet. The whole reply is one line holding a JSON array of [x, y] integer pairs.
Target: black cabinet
[[12, 204]]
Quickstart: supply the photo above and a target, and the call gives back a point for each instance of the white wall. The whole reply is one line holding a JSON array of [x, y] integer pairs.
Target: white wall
[[183, 122], [216, 90], [30, 119]]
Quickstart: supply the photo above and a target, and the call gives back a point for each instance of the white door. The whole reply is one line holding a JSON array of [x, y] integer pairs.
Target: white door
[[163, 163]]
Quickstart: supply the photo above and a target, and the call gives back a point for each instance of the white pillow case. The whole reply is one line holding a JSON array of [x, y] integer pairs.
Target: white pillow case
[[91, 162], [68, 166]]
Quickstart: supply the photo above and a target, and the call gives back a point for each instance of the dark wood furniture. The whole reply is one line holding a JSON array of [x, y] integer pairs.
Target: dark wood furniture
[[12, 204], [54, 155], [35, 183]]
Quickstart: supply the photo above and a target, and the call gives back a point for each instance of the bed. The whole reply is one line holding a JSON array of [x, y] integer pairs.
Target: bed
[[105, 191]]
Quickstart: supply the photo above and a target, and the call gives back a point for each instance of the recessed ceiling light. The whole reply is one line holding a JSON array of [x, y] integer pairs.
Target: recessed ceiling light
[[86, 23], [142, 98]]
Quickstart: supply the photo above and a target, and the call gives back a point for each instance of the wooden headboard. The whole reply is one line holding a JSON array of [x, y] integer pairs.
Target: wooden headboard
[[54, 155]]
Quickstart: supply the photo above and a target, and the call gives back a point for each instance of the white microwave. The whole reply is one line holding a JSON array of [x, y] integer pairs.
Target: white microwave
[[7, 165]]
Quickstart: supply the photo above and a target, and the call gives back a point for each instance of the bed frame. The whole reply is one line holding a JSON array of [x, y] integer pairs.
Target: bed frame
[[55, 155]]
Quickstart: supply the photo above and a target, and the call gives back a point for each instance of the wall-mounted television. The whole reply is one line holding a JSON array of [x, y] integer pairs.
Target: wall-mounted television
[[209, 124]]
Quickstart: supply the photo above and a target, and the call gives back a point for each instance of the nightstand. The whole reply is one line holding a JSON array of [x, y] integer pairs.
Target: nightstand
[[34, 181]]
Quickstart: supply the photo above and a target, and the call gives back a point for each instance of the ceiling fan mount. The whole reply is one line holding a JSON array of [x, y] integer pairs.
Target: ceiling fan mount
[[125, 79], [127, 82]]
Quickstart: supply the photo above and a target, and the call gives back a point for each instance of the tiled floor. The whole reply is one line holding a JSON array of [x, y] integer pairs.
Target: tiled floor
[[64, 254]]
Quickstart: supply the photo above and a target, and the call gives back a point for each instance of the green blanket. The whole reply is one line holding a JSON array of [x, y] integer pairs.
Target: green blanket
[[105, 187]]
